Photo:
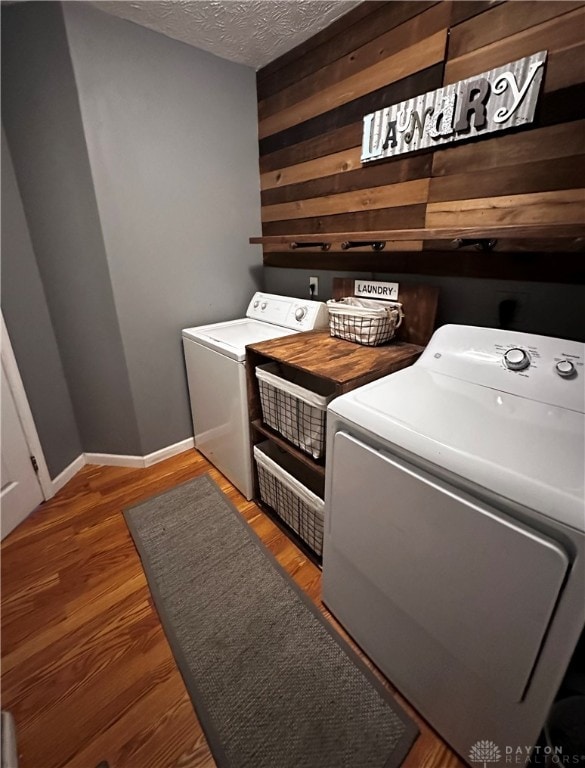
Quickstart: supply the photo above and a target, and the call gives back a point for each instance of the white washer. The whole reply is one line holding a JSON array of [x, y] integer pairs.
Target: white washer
[[215, 357], [455, 529]]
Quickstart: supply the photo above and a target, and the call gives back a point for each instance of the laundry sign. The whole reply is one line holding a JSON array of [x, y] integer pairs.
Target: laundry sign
[[375, 289], [493, 101]]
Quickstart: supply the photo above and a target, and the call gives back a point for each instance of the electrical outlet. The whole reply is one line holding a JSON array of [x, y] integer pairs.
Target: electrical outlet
[[314, 285]]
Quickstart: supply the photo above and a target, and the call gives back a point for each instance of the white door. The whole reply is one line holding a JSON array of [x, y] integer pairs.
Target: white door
[[21, 487], [21, 491]]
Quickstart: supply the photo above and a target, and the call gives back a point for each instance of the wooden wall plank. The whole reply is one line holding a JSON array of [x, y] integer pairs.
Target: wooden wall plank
[[354, 110], [420, 27], [316, 51], [541, 175], [554, 35], [561, 106], [417, 167], [339, 162], [467, 9], [311, 110], [337, 140], [559, 207], [396, 67], [512, 149], [407, 216], [390, 196], [355, 29], [565, 68], [503, 21]]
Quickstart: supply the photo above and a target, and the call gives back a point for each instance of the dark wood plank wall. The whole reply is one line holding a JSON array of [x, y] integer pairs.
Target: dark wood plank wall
[[310, 108]]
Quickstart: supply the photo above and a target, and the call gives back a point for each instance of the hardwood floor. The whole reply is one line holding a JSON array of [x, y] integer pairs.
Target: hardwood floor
[[86, 668]]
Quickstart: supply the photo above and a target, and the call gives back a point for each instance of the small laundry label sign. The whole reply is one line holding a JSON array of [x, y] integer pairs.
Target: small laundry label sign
[[492, 101], [375, 289]]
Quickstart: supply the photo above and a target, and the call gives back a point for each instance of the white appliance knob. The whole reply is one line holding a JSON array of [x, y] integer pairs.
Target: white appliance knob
[[300, 313], [565, 368], [516, 359], [256, 303], [263, 305]]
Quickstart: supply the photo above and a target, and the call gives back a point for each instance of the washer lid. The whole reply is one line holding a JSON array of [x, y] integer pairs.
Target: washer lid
[[230, 338], [529, 452]]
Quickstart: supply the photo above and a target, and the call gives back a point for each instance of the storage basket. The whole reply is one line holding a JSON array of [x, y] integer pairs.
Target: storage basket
[[291, 500], [364, 321], [295, 404]]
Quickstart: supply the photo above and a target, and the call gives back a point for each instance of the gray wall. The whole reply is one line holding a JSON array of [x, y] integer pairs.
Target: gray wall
[[550, 309], [172, 137], [29, 325], [137, 162], [43, 126]]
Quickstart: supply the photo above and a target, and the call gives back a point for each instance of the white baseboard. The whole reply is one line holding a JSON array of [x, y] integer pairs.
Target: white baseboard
[[68, 473], [114, 460], [170, 450], [120, 460]]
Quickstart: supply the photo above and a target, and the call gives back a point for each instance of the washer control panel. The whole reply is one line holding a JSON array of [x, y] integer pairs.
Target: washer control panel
[[537, 367], [298, 314], [516, 359], [566, 369]]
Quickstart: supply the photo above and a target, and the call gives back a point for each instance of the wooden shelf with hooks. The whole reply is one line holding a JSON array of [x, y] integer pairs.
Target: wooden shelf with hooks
[[505, 231], [537, 252]]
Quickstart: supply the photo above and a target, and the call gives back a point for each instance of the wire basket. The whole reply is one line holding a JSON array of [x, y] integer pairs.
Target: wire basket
[[364, 321], [297, 506], [295, 411]]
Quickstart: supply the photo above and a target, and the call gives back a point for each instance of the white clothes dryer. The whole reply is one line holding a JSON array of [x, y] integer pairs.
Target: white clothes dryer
[[454, 548]]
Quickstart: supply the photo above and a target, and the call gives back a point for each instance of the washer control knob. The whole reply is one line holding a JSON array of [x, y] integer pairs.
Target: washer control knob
[[516, 359], [300, 313], [256, 303], [565, 368], [263, 305]]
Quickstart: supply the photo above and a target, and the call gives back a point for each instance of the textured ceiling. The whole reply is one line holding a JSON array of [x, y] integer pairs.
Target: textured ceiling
[[251, 33]]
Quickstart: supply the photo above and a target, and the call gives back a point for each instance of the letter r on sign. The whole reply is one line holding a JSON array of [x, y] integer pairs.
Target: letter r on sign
[[472, 100]]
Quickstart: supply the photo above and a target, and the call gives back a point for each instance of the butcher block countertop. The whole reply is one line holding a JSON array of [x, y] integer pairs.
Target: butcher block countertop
[[347, 364]]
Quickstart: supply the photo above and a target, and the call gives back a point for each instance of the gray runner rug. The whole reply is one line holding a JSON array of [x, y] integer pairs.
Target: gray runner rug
[[273, 684]]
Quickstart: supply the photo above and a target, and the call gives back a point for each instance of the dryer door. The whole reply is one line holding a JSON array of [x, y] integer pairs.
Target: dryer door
[[454, 574]]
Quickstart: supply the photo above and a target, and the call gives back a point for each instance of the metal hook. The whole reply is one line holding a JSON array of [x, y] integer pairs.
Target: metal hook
[[376, 245], [322, 246], [480, 244]]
